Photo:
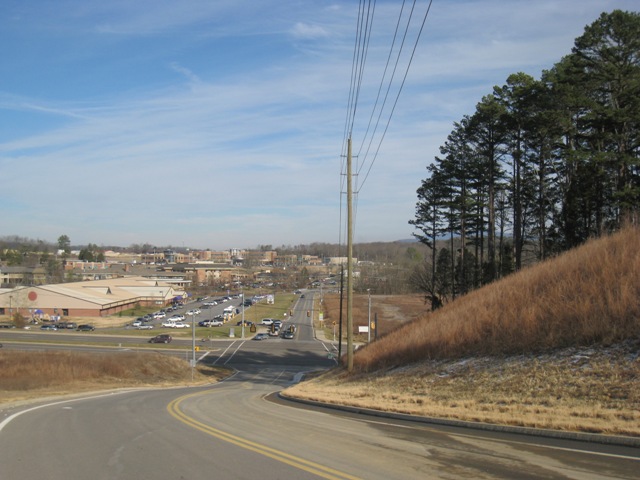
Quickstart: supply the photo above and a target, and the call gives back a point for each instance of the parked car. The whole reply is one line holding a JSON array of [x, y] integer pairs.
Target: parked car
[[176, 318], [246, 323], [145, 326], [211, 323], [180, 325], [159, 315], [136, 323], [266, 321], [168, 323], [261, 336], [49, 327], [86, 328], [164, 338]]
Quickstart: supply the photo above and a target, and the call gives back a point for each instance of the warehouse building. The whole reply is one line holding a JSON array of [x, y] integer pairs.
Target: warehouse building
[[98, 298]]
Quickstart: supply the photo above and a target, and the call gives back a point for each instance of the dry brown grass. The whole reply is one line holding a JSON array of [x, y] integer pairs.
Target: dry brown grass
[[587, 296], [583, 390], [28, 375], [554, 346], [391, 310]]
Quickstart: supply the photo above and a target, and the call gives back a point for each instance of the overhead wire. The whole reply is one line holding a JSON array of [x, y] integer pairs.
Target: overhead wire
[[404, 78], [363, 34], [366, 12]]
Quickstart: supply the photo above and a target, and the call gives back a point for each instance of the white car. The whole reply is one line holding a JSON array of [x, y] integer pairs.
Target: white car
[[267, 321], [176, 318], [211, 323], [180, 325], [169, 323], [159, 315], [145, 327]]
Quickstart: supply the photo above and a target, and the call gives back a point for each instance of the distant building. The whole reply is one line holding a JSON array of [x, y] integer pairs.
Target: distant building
[[97, 298]]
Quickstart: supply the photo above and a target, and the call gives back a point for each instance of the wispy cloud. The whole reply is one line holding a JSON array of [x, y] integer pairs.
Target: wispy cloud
[[304, 30], [228, 128]]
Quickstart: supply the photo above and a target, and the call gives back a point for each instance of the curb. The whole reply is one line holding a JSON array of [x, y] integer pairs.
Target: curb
[[533, 432]]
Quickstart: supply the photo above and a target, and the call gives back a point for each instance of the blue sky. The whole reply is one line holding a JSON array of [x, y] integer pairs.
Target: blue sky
[[220, 124]]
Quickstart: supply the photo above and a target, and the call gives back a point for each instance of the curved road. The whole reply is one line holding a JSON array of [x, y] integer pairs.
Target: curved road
[[235, 429]]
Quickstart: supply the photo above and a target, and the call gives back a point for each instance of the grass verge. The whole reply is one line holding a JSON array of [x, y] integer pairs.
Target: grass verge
[[29, 375], [574, 389]]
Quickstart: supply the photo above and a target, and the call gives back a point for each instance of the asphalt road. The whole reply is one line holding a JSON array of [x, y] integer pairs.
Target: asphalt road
[[237, 429]]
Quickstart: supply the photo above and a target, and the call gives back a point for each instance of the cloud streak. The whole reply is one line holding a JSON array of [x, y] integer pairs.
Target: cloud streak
[[229, 131]]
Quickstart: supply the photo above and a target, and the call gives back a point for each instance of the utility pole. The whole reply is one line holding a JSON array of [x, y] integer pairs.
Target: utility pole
[[341, 299], [242, 296], [349, 261], [369, 318]]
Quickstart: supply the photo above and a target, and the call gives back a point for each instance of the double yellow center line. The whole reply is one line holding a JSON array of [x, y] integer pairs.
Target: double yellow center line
[[297, 462]]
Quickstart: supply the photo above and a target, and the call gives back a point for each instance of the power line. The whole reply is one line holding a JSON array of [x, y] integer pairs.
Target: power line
[[366, 11], [395, 103]]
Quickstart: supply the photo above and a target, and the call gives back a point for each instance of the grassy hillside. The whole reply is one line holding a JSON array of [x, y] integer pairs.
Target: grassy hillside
[[27, 375], [556, 346], [590, 295]]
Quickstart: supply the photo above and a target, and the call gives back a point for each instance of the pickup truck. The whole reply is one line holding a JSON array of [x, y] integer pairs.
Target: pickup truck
[[211, 323]]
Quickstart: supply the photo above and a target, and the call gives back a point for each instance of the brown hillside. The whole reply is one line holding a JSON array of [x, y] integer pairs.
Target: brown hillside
[[588, 296], [556, 346]]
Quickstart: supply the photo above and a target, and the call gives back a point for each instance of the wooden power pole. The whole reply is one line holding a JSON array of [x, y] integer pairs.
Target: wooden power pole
[[349, 261]]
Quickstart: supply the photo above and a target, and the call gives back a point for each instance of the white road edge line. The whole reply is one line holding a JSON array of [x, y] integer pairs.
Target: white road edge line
[[7, 420]]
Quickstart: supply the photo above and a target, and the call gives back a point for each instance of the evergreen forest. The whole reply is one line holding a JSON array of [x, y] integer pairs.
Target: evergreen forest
[[539, 167]]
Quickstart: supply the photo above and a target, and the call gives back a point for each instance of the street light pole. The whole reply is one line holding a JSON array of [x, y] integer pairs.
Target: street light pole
[[242, 296], [369, 328], [193, 345]]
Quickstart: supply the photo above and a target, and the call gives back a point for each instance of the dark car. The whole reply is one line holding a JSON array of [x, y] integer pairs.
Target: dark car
[[86, 328], [261, 336], [48, 327], [164, 338], [288, 334]]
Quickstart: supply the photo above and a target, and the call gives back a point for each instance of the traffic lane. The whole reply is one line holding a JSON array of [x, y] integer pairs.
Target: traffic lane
[[273, 351], [126, 436], [371, 447], [183, 353], [317, 443], [75, 338], [561, 453]]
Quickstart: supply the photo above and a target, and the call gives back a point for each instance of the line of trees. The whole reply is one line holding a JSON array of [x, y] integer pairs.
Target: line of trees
[[539, 167]]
